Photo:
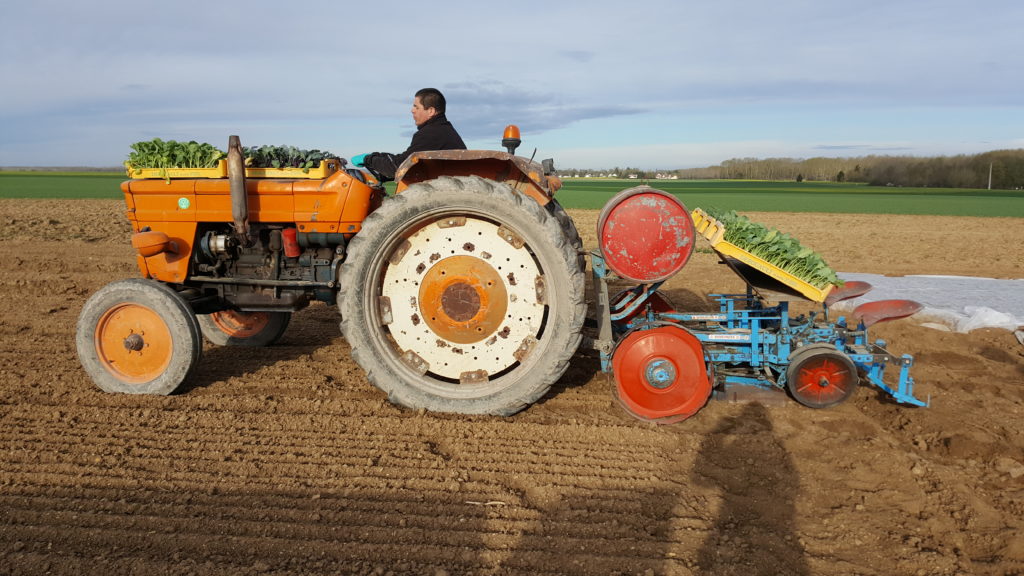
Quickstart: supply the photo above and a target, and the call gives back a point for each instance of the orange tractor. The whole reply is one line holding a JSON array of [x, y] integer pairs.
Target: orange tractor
[[463, 292]]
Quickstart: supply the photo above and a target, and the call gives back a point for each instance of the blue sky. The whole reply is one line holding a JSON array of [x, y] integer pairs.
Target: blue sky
[[648, 84]]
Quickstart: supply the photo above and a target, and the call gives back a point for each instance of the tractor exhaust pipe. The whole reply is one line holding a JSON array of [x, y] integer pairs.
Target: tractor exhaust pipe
[[239, 198]]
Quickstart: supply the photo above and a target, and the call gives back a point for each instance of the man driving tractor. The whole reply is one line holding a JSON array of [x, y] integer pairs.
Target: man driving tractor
[[433, 132]]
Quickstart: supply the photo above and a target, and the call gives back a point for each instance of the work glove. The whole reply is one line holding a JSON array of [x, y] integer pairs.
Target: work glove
[[359, 160]]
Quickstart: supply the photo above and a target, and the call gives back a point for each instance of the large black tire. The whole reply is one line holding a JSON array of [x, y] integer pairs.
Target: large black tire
[[572, 235], [138, 337], [235, 328], [462, 295]]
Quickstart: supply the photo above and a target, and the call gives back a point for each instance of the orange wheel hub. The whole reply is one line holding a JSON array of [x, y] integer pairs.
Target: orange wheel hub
[[463, 299], [240, 324], [660, 374], [134, 343]]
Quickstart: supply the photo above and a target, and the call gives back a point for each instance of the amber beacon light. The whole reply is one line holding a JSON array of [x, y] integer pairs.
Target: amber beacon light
[[510, 140]]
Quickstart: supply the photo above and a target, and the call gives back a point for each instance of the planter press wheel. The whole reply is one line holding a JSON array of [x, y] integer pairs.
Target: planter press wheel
[[660, 374], [820, 376], [462, 295], [238, 328], [138, 337]]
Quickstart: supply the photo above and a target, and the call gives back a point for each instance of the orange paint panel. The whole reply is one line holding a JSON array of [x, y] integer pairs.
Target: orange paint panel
[[171, 266], [140, 260], [156, 200], [270, 208], [214, 208], [271, 187], [129, 200], [221, 187], [359, 203], [318, 203]]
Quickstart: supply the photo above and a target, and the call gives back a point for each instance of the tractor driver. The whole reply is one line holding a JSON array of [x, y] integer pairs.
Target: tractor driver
[[433, 132]]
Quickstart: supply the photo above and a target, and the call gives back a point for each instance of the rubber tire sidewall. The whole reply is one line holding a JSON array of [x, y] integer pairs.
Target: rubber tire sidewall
[[181, 322], [572, 235], [452, 196], [277, 324]]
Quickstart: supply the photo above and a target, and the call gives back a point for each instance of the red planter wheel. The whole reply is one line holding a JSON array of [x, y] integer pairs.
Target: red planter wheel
[[660, 374], [821, 376]]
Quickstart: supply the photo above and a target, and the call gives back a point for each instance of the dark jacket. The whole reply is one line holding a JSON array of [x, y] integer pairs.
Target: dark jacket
[[434, 134]]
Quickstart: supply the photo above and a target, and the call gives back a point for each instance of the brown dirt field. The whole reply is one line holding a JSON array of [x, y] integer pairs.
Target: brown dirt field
[[285, 460]]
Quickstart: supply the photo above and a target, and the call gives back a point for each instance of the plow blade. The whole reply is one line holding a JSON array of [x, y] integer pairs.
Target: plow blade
[[847, 291], [871, 313]]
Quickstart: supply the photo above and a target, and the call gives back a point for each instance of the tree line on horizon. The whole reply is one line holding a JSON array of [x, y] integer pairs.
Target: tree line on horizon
[[962, 171]]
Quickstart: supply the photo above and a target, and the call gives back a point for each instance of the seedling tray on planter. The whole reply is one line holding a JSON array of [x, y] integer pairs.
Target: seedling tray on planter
[[714, 232]]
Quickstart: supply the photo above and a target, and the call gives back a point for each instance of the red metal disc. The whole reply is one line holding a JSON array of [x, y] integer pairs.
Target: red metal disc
[[645, 235], [660, 374], [848, 290], [871, 313]]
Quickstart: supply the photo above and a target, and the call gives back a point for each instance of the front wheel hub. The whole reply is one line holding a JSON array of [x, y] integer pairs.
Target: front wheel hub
[[134, 343]]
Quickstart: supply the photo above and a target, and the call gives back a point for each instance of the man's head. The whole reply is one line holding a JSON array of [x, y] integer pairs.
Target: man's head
[[429, 102]]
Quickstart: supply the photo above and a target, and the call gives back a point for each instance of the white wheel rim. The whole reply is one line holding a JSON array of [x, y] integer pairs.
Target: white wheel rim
[[491, 347]]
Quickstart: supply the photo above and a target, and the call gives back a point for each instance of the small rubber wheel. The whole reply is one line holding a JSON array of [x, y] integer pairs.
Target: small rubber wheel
[[138, 337], [821, 376], [238, 328]]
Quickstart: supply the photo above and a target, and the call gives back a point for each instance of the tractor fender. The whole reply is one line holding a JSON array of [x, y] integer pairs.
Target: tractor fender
[[518, 173]]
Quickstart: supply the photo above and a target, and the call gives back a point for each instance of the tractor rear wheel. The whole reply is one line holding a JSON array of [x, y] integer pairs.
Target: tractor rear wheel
[[138, 337], [462, 295], [237, 328], [572, 235]]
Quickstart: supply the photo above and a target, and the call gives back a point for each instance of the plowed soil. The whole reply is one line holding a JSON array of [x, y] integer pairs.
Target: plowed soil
[[284, 460]]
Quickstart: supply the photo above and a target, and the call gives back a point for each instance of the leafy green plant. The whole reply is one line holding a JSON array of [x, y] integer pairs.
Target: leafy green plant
[[776, 248], [157, 153], [284, 157]]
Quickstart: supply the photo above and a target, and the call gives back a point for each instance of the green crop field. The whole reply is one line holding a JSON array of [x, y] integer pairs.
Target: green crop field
[[757, 196], [61, 184], [739, 195]]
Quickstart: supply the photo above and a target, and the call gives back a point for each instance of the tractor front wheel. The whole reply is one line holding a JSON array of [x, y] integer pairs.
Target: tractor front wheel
[[462, 295], [138, 337]]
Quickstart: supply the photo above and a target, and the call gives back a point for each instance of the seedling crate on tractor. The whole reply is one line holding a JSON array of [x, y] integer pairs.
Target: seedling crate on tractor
[[463, 292]]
